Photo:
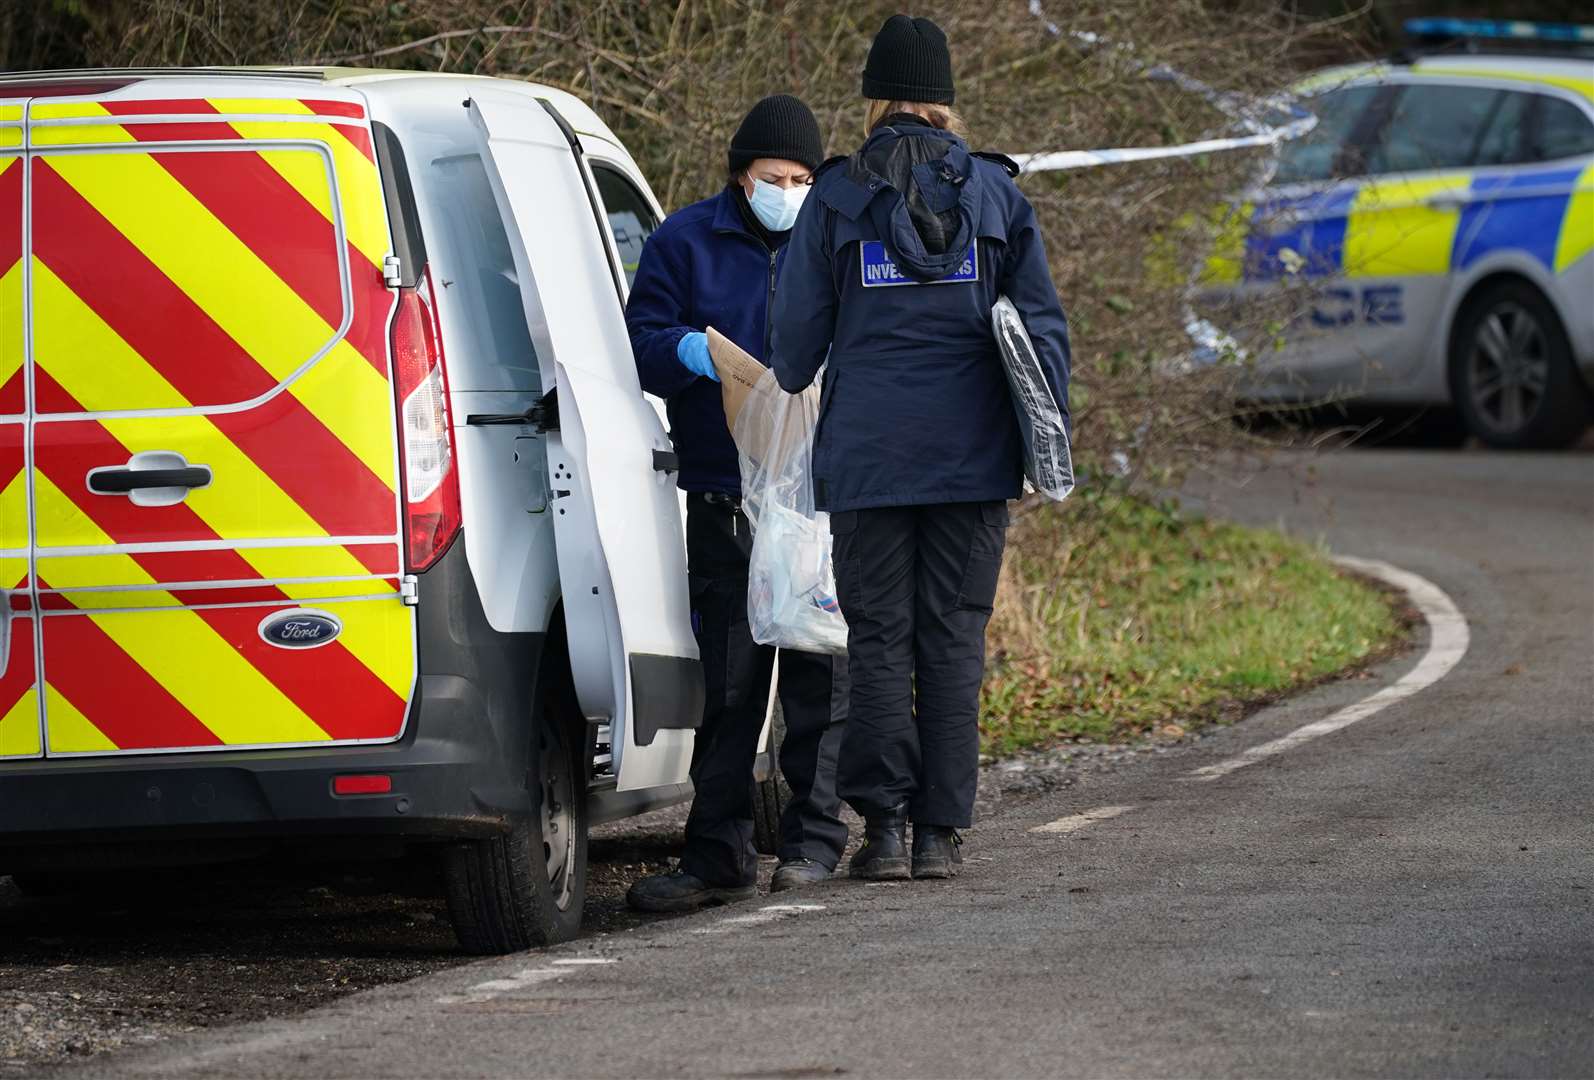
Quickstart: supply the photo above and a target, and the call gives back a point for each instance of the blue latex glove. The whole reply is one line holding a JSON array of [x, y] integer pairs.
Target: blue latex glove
[[692, 352]]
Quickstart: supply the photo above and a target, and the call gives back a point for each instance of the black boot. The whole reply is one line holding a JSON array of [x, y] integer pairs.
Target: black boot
[[935, 851], [680, 891], [884, 855], [796, 873]]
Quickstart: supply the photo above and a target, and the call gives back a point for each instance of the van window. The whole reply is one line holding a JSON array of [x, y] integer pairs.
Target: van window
[[1432, 127], [476, 277], [1564, 131], [630, 217], [1313, 155], [129, 310]]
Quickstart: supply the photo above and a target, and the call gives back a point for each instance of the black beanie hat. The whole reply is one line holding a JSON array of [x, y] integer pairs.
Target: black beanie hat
[[780, 126], [909, 61]]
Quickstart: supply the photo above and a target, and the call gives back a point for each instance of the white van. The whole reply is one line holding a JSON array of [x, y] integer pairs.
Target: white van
[[331, 509]]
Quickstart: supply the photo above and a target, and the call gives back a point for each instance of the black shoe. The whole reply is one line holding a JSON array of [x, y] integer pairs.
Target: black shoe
[[884, 855], [935, 851], [680, 891], [795, 873]]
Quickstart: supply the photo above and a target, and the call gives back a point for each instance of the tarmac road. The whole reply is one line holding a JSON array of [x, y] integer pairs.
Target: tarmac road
[[1411, 895]]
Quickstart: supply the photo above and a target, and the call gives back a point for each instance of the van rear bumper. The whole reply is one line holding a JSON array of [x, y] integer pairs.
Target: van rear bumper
[[448, 781]]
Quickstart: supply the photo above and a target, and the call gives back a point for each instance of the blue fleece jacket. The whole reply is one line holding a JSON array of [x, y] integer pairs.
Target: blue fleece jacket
[[703, 267]]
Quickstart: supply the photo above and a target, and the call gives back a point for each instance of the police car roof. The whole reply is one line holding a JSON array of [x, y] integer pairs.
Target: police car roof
[[1564, 73]]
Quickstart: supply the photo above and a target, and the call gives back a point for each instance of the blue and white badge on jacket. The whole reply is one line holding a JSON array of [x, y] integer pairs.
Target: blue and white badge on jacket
[[879, 270]]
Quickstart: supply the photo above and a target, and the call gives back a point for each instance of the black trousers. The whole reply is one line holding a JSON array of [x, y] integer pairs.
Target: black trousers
[[916, 584], [813, 697]]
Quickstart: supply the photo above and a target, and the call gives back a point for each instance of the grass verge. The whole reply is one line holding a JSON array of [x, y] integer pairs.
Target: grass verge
[[1118, 618]]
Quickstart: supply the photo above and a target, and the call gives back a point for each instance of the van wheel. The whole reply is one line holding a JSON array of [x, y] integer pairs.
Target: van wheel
[[771, 796], [1511, 371], [527, 888]]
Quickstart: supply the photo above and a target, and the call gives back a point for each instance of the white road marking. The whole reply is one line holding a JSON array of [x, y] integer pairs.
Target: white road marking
[[1448, 640], [763, 915], [492, 988], [1075, 822], [586, 961]]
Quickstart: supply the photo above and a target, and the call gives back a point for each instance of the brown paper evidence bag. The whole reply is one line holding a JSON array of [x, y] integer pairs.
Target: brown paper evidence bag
[[739, 372], [754, 402]]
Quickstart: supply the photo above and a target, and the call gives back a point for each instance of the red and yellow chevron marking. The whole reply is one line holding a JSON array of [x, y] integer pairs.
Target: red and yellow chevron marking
[[355, 688], [19, 703], [337, 127], [12, 394], [211, 661], [196, 283], [237, 295], [10, 125], [19, 700], [13, 506]]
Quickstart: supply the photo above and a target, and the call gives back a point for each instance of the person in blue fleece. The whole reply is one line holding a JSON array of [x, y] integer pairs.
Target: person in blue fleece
[[713, 264]]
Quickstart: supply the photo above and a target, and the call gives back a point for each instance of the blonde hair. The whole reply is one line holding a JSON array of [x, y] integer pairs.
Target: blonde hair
[[941, 116]]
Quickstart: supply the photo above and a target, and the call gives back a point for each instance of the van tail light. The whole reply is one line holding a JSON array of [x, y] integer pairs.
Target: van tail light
[[430, 478]]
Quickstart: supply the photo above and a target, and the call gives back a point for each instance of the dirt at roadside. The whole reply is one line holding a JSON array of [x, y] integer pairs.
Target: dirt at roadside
[[170, 953]]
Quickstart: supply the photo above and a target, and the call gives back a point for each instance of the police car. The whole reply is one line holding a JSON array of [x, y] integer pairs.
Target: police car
[[1438, 224], [331, 514]]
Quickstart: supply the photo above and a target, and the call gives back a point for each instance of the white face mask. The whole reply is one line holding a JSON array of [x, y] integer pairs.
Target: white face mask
[[776, 206]]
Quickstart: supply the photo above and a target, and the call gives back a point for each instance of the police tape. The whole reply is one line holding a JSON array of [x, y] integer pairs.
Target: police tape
[[1267, 121], [1259, 118]]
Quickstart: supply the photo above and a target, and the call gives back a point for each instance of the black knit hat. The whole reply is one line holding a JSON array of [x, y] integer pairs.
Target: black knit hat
[[780, 126], [909, 61]]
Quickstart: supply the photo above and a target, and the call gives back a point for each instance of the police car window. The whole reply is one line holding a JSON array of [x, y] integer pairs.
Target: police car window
[[1432, 127], [630, 218], [1564, 131], [1313, 156], [1504, 142]]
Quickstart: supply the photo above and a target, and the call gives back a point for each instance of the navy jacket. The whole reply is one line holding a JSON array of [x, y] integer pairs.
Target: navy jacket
[[703, 267], [891, 271]]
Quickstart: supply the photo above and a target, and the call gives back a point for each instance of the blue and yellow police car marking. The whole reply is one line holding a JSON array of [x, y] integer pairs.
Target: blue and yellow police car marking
[[1416, 227]]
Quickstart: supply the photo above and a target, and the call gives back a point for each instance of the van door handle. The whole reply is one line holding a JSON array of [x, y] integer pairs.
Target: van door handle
[[666, 461], [1447, 201], [150, 478], [122, 481]]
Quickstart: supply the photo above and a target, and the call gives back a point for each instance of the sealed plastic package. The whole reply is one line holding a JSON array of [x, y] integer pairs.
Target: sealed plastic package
[[1048, 465]]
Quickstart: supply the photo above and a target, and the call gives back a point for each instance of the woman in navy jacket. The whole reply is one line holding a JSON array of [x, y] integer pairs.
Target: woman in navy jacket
[[890, 275], [713, 264]]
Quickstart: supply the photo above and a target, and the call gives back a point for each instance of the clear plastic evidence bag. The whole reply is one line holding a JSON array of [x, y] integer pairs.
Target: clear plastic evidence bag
[[1048, 465]]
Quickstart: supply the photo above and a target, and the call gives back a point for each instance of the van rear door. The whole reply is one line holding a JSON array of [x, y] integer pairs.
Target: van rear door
[[622, 563], [217, 531]]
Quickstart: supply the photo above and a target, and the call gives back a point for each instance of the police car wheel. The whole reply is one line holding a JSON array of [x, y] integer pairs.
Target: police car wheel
[[770, 796], [1511, 371], [527, 888]]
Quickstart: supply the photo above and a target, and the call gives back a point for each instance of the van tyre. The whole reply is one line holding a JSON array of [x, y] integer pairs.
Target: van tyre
[[771, 796], [1511, 371], [527, 888]]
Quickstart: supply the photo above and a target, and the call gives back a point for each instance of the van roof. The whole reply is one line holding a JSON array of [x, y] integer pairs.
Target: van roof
[[87, 80]]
